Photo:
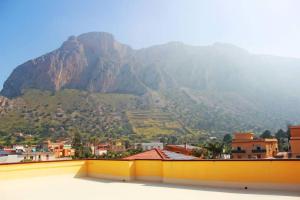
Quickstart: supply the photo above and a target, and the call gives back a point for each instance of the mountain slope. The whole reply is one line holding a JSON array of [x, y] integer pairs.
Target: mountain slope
[[178, 89]]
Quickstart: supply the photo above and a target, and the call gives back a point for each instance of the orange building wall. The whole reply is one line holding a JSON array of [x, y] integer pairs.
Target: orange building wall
[[295, 141], [249, 145]]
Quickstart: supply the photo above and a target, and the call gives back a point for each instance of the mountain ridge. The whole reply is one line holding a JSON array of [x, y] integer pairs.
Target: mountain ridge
[[73, 65], [215, 89]]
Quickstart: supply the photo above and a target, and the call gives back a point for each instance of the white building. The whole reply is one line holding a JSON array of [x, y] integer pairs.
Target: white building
[[33, 156], [19, 148], [100, 152], [149, 146]]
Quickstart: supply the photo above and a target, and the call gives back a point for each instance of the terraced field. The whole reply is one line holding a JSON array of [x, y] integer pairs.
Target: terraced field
[[151, 123]]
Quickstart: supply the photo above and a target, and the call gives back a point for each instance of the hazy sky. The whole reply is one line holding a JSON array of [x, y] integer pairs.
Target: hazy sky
[[33, 27]]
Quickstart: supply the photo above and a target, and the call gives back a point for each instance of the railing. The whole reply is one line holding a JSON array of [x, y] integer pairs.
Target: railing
[[259, 151], [238, 151]]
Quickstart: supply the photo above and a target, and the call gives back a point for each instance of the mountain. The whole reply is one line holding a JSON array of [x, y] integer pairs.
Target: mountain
[[177, 88], [92, 61]]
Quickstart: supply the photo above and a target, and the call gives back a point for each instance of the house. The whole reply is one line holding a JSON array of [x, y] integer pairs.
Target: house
[[60, 148], [295, 141], [247, 146], [100, 152], [39, 156], [49, 146], [100, 149], [149, 146], [159, 154], [19, 148], [117, 146], [9, 150]]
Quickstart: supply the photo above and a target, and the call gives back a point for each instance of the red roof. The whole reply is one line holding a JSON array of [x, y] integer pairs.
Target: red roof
[[158, 154], [294, 127], [154, 154]]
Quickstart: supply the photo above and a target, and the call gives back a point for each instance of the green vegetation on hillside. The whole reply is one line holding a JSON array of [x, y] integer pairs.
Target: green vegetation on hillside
[[45, 115], [166, 116]]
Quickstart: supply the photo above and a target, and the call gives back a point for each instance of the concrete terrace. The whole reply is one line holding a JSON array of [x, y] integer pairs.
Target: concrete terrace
[[66, 187], [150, 179]]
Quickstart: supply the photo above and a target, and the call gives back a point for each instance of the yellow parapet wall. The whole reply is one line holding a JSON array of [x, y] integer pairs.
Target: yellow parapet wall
[[111, 169], [272, 174], [240, 174], [148, 170], [27, 170]]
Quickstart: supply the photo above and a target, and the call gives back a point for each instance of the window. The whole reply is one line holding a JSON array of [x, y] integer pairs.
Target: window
[[239, 148]]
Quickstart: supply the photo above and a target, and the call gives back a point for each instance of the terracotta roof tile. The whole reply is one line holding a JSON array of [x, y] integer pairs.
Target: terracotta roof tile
[[151, 155], [158, 154]]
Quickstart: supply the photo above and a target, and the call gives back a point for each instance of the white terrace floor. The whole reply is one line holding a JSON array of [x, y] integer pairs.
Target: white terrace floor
[[67, 188]]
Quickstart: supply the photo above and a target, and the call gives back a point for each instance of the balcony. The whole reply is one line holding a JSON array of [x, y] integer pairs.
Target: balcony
[[259, 151], [238, 151], [151, 179]]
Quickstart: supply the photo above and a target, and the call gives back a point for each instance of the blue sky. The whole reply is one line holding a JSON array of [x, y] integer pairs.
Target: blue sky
[[33, 27]]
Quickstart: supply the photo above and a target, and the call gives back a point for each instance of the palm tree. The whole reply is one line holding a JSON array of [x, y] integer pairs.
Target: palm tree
[[215, 148], [77, 144], [95, 141]]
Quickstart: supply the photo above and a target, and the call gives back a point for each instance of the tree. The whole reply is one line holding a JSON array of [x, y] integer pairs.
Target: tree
[[198, 152], [288, 133], [77, 145], [266, 134], [215, 149], [227, 139], [87, 152], [8, 141], [95, 141], [172, 139], [282, 137], [280, 134]]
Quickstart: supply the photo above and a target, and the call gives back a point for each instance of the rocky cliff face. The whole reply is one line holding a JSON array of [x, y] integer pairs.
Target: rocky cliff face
[[3, 102], [7, 105], [96, 62], [91, 61]]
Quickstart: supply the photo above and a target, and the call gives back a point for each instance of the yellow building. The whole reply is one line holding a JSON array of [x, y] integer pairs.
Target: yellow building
[[246, 146]]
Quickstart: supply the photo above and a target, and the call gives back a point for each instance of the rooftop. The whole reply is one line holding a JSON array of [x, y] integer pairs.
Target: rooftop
[[158, 154], [66, 187], [184, 146], [151, 179]]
